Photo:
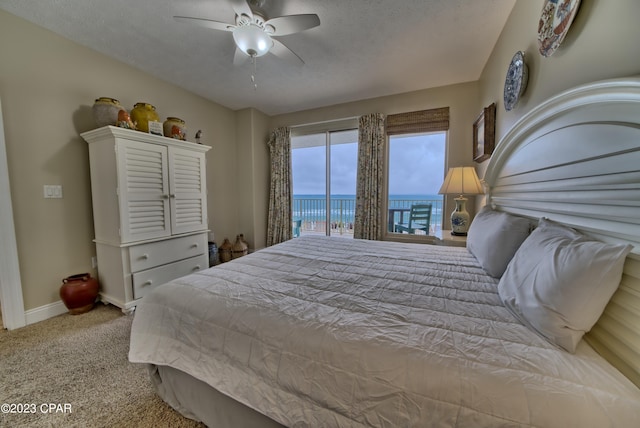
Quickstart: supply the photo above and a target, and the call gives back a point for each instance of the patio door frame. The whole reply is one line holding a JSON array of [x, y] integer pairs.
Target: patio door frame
[[327, 128]]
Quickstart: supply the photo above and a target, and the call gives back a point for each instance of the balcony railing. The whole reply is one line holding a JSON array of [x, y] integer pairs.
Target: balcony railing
[[312, 213]]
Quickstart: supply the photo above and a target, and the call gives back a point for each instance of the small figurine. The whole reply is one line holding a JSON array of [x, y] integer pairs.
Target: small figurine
[[124, 120], [198, 135]]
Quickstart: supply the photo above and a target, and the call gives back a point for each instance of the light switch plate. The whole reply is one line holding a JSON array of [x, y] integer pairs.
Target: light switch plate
[[53, 191]]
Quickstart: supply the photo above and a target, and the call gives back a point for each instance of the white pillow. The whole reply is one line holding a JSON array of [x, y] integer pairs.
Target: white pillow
[[559, 282], [494, 237]]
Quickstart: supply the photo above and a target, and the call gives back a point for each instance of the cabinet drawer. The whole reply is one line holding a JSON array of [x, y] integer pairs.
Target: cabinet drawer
[[145, 281], [158, 253]]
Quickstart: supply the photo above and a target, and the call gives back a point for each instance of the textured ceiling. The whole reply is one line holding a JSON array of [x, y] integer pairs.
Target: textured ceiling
[[362, 48]]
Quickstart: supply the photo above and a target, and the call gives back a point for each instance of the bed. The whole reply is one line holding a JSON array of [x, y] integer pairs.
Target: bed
[[322, 331]]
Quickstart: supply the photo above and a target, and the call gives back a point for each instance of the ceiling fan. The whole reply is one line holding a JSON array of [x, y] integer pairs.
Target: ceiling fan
[[254, 34]]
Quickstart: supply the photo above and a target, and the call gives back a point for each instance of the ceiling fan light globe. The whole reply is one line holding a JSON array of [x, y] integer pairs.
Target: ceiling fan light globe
[[252, 40]]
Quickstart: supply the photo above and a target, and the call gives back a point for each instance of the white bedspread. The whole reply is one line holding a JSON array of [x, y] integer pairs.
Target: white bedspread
[[328, 332]]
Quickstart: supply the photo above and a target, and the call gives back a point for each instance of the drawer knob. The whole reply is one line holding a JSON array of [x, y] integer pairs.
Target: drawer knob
[[194, 245], [197, 267], [165, 196], [148, 282], [145, 257]]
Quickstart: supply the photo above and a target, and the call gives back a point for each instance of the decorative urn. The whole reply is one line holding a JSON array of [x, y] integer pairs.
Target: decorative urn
[[174, 127], [105, 111], [240, 247], [142, 114], [224, 251], [79, 292]]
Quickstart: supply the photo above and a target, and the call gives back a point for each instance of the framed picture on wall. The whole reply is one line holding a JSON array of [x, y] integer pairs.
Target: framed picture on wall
[[484, 134]]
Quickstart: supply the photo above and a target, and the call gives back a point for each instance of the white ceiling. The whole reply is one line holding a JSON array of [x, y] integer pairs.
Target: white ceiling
[[362, 48]]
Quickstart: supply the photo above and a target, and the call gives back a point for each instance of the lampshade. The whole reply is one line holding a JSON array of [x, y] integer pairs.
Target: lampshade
[[461, 180], [252, 40]]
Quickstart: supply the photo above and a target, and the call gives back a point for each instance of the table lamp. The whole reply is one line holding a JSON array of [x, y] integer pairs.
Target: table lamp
[[461, 180]]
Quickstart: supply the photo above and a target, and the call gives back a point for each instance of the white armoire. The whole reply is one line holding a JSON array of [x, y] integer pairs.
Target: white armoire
[[149, 211]]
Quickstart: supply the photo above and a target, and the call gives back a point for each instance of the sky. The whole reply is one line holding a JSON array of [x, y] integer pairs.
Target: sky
[[416, 165]]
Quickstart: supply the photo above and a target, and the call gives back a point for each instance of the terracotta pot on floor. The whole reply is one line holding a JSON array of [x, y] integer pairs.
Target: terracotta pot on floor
[[79, 292]]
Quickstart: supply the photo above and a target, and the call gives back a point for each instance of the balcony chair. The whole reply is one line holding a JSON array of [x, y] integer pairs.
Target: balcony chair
[[419, 219]]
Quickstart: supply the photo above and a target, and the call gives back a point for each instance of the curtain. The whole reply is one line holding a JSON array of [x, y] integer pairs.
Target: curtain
[[370, 176], [281, 190]]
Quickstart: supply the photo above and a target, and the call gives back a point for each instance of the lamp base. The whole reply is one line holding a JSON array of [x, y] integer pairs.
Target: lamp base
[[460, 217]]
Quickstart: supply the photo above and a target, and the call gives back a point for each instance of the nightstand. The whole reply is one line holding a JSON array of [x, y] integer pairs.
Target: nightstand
[[444, 237]]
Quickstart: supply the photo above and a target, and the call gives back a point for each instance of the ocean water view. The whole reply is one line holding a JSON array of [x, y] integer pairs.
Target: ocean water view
[[311, 211]]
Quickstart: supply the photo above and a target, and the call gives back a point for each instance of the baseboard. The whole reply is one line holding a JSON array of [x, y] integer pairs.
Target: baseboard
[[45, 312]]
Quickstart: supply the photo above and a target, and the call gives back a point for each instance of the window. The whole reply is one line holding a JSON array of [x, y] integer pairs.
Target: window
[[416, 168], [416, 171], [324, 168]]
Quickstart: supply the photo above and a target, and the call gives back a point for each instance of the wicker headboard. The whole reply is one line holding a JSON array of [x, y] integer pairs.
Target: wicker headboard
[[576, 159]]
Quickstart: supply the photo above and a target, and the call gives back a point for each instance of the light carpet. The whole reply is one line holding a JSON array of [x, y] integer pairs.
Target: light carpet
[[78, 363]]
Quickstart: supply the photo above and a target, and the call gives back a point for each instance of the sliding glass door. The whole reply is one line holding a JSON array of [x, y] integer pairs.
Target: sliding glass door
[[324, 168]]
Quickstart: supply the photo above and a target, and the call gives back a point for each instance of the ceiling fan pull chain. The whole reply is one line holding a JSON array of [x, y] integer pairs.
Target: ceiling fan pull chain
[[253, 75]]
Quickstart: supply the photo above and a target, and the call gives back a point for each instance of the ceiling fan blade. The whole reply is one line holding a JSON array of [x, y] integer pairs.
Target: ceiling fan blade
[[215, 25], [239, 57], [241, 7], [280, 50], [284, 25]]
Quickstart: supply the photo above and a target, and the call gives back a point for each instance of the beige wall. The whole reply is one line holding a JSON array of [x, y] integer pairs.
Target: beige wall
[[47, 87], [252, 176], [602, 43]]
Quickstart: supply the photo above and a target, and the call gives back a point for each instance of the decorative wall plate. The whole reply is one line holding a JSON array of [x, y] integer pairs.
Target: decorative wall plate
[[516, 81], [555, 20]]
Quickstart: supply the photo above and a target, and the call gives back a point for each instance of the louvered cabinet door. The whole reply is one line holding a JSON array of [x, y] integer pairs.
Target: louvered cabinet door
[[187, 184], [144, 191]]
